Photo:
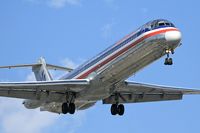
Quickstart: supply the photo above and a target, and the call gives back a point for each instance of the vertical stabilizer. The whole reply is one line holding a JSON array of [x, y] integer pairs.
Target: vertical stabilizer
[[41, 72]]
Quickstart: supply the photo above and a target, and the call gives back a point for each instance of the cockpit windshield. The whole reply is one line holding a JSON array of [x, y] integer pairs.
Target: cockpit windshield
[[161, 23], [155, 24]]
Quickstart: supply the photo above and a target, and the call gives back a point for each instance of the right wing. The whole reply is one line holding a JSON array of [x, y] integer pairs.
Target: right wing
[[132, 92], [41, 90]]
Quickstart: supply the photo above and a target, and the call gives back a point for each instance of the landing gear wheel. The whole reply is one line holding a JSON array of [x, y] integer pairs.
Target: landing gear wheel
[[65, 108], [117, 109], [168, 61], [72, 108], [114, 109], [120, 109]]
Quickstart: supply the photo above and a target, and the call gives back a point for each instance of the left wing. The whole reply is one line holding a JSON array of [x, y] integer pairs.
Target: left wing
[[38, 90], [132, 92]]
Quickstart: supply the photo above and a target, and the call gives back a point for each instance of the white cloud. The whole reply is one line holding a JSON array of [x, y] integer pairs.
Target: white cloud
[[30, 77], [112, 4], [66, 63], [62, 3], [57, 3], [69, 63], [14, 117]]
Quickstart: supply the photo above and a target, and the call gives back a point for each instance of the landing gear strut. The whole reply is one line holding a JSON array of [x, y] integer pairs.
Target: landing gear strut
[[117, 109], [168, 60]]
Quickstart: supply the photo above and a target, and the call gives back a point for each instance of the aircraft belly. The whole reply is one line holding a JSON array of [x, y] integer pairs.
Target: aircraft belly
[[122, 68]]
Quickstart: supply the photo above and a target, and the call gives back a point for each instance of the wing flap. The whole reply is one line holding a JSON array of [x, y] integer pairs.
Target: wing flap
[[136, 98]]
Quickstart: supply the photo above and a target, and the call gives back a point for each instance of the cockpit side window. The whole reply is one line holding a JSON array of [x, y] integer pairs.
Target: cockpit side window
[[147, 29], [167, 24], [172, 25]]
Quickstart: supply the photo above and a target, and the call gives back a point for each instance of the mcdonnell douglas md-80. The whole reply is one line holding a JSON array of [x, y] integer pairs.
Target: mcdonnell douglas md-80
[[103, 77]]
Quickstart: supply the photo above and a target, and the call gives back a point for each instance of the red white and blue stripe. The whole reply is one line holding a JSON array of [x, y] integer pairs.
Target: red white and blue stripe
[[118, 49]]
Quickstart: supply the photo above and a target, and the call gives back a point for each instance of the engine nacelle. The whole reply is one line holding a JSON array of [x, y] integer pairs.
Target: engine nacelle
[[52, 107], [31, 104]]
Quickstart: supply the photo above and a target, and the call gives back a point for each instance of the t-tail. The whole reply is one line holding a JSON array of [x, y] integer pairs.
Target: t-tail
[[41, 72]]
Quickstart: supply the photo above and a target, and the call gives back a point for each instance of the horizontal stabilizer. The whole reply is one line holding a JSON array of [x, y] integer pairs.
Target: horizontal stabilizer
[[49, 66]]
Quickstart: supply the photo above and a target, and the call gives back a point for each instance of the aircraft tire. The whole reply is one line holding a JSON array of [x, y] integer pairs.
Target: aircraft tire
[[65, 108], [72, 108], [120, 109], [113, 109], [170, 61]]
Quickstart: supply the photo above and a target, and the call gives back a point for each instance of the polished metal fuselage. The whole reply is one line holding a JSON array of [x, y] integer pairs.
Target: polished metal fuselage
[[135, 59]]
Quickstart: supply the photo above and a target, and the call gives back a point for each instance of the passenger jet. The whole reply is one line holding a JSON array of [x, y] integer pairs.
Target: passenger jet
[[104, 76]]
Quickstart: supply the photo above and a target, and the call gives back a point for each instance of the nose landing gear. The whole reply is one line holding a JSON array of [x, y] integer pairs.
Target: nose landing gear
[[168, 60]]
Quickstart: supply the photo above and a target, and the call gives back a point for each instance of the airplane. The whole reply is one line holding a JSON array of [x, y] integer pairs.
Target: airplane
[[104, 77]]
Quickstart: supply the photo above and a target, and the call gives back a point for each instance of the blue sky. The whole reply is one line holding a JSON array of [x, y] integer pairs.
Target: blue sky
[[68, 32]]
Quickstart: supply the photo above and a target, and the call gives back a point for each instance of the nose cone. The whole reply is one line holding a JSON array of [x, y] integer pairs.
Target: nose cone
[[173, 36]]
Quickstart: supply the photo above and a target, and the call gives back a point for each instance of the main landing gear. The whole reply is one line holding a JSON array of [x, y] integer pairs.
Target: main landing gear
[[68, 108], [168, 60], [117, 109]]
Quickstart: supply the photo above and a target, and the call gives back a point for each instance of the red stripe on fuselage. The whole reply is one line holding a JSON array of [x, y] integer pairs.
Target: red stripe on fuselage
[[84, 75]]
